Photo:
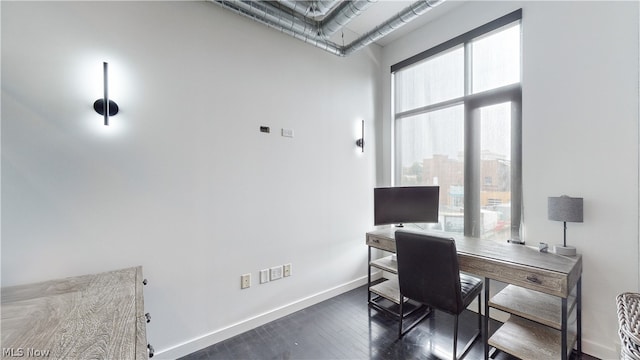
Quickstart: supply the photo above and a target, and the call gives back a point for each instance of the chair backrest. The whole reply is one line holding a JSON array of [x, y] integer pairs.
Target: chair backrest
[[428, 270]]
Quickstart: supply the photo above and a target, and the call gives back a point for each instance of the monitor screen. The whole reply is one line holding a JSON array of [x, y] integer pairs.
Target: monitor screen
[[406, 204]]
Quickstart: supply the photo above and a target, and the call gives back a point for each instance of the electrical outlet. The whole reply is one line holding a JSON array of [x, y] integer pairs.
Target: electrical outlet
[[245, 281], [287, 270], [276, 272], [264, 276]]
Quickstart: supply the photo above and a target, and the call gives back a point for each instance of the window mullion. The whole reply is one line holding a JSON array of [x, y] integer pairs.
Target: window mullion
[[430, 108], [516, 167], [468, 53], [471, 153], [472, 218]]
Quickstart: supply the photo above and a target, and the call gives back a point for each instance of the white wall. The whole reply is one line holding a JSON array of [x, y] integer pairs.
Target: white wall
[[182, 182], [580, 135]]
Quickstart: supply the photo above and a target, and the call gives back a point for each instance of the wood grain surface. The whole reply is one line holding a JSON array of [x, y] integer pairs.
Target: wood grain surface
[[84, 317], [529, 340]]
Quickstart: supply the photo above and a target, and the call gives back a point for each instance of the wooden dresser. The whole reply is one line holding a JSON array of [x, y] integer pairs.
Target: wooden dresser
[[97, 316]]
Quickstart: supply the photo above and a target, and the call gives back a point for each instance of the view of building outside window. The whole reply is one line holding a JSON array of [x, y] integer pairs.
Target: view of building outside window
[[433, 154], [430, 107], [495, 171]]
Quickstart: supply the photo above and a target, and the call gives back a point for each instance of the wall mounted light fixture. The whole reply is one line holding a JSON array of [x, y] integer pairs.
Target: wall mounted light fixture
[[105, 106], [360, 142]]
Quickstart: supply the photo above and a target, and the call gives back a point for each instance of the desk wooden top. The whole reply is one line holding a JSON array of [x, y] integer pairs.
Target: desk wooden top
[[510, 263]]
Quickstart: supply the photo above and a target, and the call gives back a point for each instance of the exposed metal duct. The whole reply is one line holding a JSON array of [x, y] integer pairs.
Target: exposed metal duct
[[316, 32], [347, 11], [264, 11], [407, 15], [316, 10], [276, 19]]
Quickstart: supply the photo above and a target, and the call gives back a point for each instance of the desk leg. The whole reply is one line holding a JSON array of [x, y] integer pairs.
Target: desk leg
[[369, 277], [485, 330], [563, 329], [579, 316]]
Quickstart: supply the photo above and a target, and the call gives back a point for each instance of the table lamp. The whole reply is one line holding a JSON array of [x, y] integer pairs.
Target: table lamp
[[565, 209]]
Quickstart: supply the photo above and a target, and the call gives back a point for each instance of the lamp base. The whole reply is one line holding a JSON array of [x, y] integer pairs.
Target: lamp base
[[565, 250]]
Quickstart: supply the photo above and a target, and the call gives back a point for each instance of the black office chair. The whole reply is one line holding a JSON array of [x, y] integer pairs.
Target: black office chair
[[428, 273]]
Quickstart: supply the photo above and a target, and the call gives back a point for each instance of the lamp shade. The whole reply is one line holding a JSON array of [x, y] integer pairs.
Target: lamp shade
[[565, 208]]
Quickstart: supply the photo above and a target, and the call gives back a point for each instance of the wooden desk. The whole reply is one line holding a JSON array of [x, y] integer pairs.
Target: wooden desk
[[85, 317], [539, 278]]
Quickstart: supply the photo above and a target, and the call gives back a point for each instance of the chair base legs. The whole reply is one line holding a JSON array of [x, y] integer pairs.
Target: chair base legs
[[413, 324], [473, 339], [467, 347]]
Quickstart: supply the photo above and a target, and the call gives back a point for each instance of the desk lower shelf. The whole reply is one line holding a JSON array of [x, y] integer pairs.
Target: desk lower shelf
[[388, 289], [529, 340], [533, 305], [533, 331], [388, 292], [386, 263]]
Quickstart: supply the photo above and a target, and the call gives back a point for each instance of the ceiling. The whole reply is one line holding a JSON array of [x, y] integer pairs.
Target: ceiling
[[342, 26]]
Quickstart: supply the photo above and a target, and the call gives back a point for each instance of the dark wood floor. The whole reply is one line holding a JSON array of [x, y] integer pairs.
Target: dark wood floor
[[344, 327]]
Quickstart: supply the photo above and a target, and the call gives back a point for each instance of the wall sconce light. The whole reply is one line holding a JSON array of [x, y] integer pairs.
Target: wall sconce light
[[360, 142], [105, 106]]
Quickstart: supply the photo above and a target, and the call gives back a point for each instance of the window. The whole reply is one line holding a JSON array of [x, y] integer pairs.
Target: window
[[457, 124]]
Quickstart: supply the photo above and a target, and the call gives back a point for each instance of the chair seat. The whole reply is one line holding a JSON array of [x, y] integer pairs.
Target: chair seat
[[470, 287]]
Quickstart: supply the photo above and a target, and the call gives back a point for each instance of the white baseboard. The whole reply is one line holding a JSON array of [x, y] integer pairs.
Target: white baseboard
[[600, 351], [216, 336]]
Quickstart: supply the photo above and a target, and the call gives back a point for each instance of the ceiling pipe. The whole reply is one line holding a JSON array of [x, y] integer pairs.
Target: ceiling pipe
[[407, 15], [263, 10], [269, 11], [297, 32], [346, 12], [316, 10], [323, 7], [313, 34], [303, 8]]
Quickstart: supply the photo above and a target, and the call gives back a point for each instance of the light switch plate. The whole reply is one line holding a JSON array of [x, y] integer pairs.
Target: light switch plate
[[264, 276], [287, 133]]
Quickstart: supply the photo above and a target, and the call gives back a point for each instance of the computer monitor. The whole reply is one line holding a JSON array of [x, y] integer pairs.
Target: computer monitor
[[406, 204]]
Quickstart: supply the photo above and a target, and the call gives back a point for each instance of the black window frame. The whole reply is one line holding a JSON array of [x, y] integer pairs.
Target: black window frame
[[472, 102]]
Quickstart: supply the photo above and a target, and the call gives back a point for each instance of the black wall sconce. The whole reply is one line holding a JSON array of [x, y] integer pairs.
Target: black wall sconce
[[105, 106], [360, 142]]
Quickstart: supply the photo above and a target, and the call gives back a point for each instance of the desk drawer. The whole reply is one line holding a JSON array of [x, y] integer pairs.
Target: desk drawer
[[380, 242], [546, 281]]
